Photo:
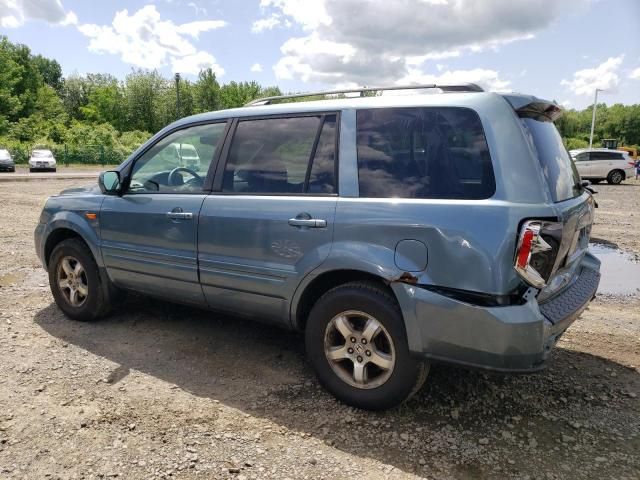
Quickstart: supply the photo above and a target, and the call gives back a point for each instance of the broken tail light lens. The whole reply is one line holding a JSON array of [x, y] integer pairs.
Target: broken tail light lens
[[534, 255]]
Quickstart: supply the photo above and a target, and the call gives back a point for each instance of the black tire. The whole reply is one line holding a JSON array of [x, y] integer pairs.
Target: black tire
[[53, 170], [615, 177], [31, 170], [97, 302], [408, 373]]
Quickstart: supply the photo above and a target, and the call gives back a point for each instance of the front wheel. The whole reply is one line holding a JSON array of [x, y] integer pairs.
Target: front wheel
[[615, 177], [75, 281], [357, 345]]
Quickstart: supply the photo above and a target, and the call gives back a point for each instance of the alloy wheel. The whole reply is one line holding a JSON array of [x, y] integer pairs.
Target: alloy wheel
[[72, 281], [359, 349]]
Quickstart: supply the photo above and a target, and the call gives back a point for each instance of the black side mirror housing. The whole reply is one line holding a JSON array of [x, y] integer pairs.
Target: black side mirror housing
[[110, 183]]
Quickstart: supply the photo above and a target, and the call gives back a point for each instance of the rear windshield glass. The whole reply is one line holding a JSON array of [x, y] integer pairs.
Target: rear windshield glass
[[559, 171], [41, 153], [423, 153]]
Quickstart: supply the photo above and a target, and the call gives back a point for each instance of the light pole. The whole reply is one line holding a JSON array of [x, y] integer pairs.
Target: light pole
[[593, 116], [178, 95]]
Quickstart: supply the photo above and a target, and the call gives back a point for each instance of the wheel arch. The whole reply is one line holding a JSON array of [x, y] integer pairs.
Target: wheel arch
[[313, 288], [65, 228]]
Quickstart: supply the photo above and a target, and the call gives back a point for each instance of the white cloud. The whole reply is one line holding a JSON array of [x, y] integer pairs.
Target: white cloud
[[197, 9], [379, 42], [256, 67], [604, 76], [194, 29], [267, 23], [309, 14], [635, 74], [488, 79], [14, 13], [145, 40], [192, 64]]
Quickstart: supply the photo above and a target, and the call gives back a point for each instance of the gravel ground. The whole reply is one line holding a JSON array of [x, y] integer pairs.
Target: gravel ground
[[163, 391]]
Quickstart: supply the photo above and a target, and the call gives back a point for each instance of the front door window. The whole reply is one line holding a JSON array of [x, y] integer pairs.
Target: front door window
[[179, 162]]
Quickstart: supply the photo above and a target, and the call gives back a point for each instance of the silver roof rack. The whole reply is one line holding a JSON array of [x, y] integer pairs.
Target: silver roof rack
[[463, 87]]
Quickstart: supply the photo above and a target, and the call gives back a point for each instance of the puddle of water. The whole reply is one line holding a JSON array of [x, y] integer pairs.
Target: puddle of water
[[620, 270]]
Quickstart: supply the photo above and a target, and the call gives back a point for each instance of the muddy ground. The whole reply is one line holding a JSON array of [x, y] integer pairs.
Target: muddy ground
[[164, 391]]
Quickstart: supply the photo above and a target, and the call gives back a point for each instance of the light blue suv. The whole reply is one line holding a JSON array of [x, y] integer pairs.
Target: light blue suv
[[392, 230]]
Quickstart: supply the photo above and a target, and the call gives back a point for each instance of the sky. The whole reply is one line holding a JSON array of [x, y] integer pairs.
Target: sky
[[556, 49]]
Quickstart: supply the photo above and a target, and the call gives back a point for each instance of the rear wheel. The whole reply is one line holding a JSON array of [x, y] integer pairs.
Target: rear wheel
[[76, 283], [31, 170], [357, 345], [615, 177]]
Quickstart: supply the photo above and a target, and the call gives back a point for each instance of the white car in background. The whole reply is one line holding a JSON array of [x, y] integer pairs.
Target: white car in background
[[597, 164], [42, 159], [188, 156]]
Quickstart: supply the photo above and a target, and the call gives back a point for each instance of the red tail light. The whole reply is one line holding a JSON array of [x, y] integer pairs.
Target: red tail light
[[524, 252], [530, 242]]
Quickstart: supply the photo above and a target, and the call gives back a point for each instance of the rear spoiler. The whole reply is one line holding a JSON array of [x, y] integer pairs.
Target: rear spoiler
[[533, 107]]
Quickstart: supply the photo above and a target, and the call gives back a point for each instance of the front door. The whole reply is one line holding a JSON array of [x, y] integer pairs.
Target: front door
[[583, 164], [271, 220], [149, 234]]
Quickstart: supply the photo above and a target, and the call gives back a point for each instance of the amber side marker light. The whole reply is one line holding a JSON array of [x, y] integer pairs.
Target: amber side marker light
[[91, 216]]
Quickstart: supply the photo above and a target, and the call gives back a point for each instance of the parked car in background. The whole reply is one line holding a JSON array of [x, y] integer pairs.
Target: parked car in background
[[390, 230], [189, 156], [598, 164], [42, 159], [6, 162]]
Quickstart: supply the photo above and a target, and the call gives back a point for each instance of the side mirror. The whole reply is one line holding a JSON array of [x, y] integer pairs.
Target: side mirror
[[109, 182]]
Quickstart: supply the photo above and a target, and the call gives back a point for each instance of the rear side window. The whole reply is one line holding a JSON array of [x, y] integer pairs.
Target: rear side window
[[293, 155], [558, 169], [423, 153]]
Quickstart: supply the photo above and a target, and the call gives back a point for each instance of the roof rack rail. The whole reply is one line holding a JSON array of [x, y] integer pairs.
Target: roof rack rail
[[463, 87]]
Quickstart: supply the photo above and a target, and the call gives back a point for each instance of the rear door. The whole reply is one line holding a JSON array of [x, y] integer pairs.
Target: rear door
[[270, 219], [149, 234], [602, 163]]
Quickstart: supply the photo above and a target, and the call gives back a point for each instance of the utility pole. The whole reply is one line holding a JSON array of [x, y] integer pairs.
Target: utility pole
[[593, 117], [178, 96]]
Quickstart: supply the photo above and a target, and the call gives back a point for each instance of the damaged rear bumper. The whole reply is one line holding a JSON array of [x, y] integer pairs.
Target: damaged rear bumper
[[516, 338]]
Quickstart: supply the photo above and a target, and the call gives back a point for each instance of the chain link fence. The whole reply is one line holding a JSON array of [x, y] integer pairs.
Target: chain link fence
[[67, 155]]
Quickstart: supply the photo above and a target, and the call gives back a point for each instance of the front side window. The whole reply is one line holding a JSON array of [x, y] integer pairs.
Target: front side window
[[282, 155], [179, 162], [423, 153]]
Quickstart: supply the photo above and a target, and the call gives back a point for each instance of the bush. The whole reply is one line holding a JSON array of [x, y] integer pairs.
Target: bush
[[574, 143]]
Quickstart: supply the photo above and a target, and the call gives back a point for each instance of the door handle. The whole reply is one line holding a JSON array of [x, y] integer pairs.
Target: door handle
[[178, 214], [308, 222]]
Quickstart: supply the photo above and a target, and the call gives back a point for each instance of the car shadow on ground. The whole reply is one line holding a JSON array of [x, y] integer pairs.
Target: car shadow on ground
[[481, 425]]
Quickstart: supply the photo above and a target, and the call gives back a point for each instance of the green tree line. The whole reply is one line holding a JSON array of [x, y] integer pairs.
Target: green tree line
[[618, 121], [39, 107]]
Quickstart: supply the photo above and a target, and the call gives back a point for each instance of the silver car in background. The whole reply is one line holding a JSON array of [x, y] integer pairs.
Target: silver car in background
[[42, 159], [598, 164]]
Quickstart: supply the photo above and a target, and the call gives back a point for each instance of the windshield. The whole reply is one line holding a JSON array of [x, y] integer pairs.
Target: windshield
[[41, 153], [559, 171]]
